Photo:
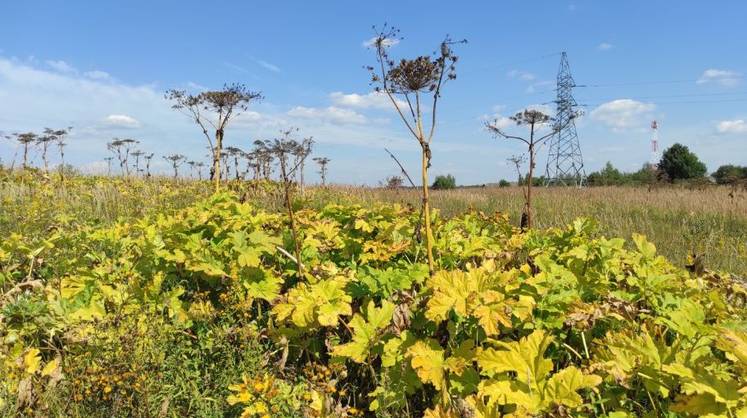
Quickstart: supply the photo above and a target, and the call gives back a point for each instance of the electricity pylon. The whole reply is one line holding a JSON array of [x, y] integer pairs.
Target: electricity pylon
[[565, 164]]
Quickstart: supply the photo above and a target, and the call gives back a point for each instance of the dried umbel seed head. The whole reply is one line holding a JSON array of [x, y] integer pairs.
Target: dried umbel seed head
[[419, 74]]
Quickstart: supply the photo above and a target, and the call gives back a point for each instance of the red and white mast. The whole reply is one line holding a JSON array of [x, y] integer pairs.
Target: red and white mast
[[654, 143]]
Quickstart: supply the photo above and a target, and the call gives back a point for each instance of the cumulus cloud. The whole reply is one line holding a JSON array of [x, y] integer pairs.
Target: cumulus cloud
[[33, 96], [62, 66], [97, 75], [121, 121], [737, 126], [726, 78], [331, 114], [604, 46], [372, 42], [622, 114], [196, 86], [372, 100], [501, 121]]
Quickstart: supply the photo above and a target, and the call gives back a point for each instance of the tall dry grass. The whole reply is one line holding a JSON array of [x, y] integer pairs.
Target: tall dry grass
[[710, 222]]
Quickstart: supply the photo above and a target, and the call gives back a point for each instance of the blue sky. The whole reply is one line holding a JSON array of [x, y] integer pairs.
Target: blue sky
[[103, 67]]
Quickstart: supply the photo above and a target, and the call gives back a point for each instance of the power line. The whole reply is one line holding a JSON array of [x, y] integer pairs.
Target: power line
[[636, 83], [672, 102]]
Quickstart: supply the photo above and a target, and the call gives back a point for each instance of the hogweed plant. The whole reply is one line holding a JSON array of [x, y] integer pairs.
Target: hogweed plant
[[322, 161], [283, 149], [59, 138], [414, 88], [148, 158], [299, 156], [137, 154], [214, 109], [535, 121], [176, 161], [26, 139], [121, 148]]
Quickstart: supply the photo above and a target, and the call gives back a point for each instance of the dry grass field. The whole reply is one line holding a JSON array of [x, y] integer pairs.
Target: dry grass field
[[710, 222]]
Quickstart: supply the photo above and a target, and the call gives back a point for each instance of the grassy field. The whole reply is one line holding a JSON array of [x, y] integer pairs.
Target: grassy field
[[680, 221], [707, 222]]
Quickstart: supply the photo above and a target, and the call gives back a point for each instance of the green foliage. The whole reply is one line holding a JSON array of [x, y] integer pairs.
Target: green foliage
[[678, 163], [444, 182], [728, 174], [200, 312], [504, 183], [611, 176]]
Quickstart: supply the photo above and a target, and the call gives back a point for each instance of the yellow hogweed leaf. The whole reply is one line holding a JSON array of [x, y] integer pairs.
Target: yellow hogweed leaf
[[450, 291], [644, 247], [461, 358], [724, 392], [395, 349], [365, 331], [700, 405], [440, 412], [51, 367], [31, 361], [734, 344], [321, 303], [524, 357], [427, 359], [248, 257], [363, 225], [562, 387], [492, 312], [480, 409], [471, 293], [505, 392]]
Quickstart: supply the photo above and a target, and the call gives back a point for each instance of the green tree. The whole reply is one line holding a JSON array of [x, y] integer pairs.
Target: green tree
[[679, 163], [608, 176], [727, 174], [444, 182]]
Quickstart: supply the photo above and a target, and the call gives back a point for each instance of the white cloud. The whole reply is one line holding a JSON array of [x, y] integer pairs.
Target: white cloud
[[622, 114], [236, 68], [521, 75], [195, 86], [331, 114], [33, 96], [62, 66], [737, 126], [726, 78], [546, 109], [604, 46], [372, 42], [268, 66], [97, 75], [372, 100], [501, 121], [121, 121]]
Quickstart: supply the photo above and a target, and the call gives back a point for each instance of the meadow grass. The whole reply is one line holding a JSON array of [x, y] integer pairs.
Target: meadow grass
[[710, 222]]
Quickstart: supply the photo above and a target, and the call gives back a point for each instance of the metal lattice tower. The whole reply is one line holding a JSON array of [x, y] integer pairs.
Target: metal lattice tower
[[565, 165]]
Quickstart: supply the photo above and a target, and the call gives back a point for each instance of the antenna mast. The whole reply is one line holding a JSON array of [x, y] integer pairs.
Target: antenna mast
[[565, 164], [654, 144]]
